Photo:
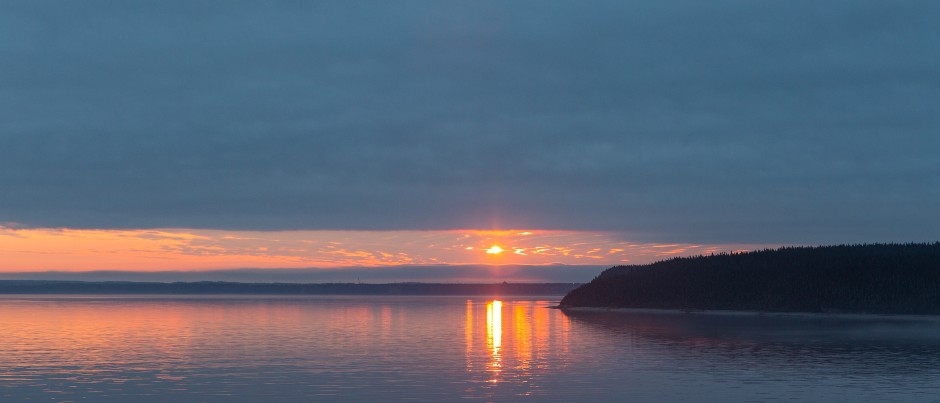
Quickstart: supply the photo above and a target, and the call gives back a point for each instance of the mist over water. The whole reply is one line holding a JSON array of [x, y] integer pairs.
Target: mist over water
[[448, 348]]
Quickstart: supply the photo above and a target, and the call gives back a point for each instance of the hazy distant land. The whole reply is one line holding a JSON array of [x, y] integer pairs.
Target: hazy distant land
[[465, 274], [220, 287], [876, 278]]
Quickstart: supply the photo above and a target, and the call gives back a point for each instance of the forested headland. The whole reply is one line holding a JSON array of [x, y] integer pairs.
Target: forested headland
[[870, 278]]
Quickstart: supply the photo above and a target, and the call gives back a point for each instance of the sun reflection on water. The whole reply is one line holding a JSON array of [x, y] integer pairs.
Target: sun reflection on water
[[494, 333], [522, 336], [513, 340]]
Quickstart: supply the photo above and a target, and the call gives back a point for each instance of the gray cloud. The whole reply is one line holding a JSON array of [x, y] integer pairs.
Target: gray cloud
[[681, 121]]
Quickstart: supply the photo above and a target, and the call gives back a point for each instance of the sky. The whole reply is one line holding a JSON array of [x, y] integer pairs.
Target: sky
[[196, 135]]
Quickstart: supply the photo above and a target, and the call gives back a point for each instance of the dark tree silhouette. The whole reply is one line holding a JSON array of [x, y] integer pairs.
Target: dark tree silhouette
[[873, 278]]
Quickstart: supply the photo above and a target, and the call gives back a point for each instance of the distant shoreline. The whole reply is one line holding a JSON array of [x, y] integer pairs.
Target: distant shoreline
[[48, 287]]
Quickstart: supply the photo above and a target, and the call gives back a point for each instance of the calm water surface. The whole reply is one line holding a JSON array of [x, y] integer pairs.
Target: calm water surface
[[447, 349]]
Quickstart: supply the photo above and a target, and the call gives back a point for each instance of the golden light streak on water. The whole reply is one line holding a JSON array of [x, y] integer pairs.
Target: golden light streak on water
[[522, 335], [494, 333]]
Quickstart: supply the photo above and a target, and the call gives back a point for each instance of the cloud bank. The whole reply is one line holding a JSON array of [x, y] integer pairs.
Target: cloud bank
[[668, 121]]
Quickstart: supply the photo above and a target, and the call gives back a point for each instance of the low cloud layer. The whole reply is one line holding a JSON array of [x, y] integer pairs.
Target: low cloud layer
[[395, 274], [667, 121]]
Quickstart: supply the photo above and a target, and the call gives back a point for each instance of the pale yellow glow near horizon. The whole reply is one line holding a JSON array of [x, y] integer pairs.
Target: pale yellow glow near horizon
[[494, 250], [64, 249]]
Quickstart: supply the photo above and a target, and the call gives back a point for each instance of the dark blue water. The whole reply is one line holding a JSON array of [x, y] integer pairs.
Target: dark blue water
[[448, 349]]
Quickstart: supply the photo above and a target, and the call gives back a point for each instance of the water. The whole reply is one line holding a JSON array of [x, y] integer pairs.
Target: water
[[215, 349]]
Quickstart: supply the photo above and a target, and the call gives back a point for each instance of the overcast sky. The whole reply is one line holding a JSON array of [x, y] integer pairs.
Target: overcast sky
[[668, 121]]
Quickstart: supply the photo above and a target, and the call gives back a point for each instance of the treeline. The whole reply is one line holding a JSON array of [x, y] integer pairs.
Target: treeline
[[871, 278], [216, 287]]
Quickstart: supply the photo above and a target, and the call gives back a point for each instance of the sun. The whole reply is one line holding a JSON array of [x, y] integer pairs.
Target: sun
[[494, 250]]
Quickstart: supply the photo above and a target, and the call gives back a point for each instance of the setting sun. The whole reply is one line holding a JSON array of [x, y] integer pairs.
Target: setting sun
[[494, 250]]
